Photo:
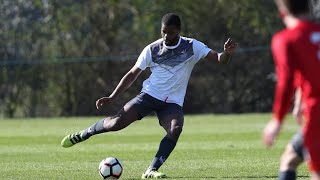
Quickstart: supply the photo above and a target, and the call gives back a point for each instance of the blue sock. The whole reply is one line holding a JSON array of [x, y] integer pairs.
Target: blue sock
[[96, 128], [287, 175], [166, 147]]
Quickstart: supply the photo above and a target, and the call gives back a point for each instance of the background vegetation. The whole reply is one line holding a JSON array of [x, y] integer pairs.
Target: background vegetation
[[58, 57]]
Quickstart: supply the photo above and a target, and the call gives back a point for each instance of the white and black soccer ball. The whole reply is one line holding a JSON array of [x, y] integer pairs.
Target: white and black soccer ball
[[110, 168]]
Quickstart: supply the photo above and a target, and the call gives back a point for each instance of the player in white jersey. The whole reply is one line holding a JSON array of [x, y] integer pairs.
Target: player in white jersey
[[171, 60]]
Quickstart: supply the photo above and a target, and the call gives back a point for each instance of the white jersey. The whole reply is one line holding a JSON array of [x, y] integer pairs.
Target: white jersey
[[171, 67]]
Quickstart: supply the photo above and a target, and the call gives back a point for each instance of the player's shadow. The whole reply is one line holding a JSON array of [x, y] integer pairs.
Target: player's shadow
[[232, 177], [225, 177]]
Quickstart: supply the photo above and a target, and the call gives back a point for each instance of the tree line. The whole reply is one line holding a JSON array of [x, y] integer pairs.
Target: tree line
[[58, 57]]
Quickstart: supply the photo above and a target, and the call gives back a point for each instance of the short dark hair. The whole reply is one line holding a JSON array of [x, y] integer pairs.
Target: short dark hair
[[297, 7], [171, 19]]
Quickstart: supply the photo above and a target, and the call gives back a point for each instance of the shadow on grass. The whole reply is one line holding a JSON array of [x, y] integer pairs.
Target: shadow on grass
[[226, 177], [229, 177], [233, 177]]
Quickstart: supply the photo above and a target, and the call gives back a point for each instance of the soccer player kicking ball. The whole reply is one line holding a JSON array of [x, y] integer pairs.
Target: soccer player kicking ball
[[296, 52], [171, 60]]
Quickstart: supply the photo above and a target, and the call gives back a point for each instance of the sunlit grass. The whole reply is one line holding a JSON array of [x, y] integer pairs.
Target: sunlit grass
[[210, 147]]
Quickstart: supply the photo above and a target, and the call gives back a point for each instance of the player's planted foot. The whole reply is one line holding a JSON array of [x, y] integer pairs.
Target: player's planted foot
[[72, 139], [153, 174]]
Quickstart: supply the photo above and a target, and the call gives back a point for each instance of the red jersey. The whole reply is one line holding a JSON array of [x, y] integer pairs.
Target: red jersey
[[296, 54]]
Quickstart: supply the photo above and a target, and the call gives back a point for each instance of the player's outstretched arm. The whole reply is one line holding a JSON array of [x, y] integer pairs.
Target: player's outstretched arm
[[123, 85], [271, 132], [229, 49]]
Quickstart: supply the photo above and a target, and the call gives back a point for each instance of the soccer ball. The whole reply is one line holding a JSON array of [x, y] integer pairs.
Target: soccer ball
[[110, 168]]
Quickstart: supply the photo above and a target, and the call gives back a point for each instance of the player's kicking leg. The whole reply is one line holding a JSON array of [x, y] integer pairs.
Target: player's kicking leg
[[125, 117]]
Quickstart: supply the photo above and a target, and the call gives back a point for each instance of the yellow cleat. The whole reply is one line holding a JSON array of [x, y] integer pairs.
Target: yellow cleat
[[72, 139], [153, 174]]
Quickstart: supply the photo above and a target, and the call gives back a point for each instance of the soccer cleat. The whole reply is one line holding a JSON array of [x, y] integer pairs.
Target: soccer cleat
[[72, 139], [153, 174]]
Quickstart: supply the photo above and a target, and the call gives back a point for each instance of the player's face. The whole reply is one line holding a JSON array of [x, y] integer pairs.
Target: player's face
[[170, 34]]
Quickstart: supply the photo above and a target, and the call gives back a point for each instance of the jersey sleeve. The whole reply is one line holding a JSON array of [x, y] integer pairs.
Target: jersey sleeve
[[284, 89], [200, 49], [144, 59]]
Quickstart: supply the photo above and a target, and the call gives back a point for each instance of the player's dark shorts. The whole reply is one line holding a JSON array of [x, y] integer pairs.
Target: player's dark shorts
[[297, 143], [146, 104]]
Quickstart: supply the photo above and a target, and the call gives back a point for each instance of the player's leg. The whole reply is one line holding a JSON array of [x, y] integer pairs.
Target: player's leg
[[291, 158], [314, 161], [125, 117], [131, 112], [311, 135], [171, 119]]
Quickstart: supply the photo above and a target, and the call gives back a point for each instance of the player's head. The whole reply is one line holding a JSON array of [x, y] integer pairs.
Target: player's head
[[170, 28], [293, 7]]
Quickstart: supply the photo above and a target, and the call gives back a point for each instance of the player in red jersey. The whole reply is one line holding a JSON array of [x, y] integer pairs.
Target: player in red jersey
[[296, 51]]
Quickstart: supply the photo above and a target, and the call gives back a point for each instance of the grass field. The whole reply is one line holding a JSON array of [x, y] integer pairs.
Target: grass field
[[210, 147]]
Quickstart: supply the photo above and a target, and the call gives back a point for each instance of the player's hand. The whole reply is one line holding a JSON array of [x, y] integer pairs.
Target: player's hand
[[103, 101], [271, 132], [230, 46]]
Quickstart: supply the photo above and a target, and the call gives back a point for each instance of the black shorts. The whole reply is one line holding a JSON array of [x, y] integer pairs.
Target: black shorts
[[297, 143], [145, 104]]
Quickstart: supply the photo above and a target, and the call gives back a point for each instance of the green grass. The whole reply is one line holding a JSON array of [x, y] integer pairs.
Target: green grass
[[210, 147]]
